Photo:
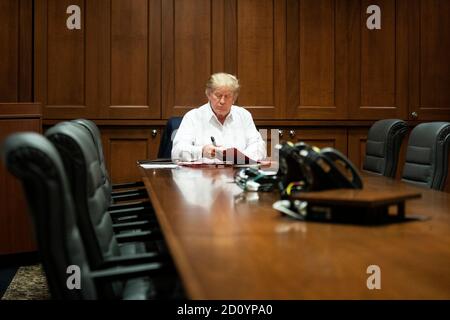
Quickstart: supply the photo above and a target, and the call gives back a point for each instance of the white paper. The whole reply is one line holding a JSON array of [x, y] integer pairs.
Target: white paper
[[159, 166]]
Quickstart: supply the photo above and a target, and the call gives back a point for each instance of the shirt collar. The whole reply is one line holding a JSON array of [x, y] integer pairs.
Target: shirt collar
[[212, 115]]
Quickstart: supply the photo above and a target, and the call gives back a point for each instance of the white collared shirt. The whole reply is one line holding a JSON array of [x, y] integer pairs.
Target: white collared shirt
[[200, 124]]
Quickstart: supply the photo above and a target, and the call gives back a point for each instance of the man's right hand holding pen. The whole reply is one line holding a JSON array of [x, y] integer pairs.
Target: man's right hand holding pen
[[210, 150]]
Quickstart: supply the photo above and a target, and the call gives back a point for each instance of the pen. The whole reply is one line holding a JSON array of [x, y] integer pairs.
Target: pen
[[213, 141]]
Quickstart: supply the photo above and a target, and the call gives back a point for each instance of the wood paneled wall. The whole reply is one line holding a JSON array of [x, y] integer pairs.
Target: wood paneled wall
[[16, 230], [429, 35], [301, 63], [296, 59], [110, 69], [124, 146], [16, 50]]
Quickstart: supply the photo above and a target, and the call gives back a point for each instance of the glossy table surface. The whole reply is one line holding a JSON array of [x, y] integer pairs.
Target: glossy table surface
[[229, 244]]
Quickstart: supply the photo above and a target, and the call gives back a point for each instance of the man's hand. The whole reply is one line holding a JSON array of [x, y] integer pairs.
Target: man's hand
[[209, 151]]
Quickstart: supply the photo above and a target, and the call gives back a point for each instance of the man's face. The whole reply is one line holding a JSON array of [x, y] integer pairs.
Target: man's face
[[221, 101]]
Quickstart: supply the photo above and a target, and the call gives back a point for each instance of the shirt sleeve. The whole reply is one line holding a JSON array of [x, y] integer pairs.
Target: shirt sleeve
[[184, 147], [256, 147]]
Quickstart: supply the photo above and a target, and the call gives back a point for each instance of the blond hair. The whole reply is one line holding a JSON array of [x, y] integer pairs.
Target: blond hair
[[221, 79]]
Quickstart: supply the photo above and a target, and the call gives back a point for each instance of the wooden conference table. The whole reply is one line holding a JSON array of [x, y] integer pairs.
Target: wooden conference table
[[228, 244]]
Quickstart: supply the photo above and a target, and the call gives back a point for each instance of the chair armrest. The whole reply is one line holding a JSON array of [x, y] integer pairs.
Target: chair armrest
[[128, 211], [129, 196], [142, 225], [145, 204], [139, 236], [135, 259], [129, 272], [133, 214], [127, 185], [128, 192]]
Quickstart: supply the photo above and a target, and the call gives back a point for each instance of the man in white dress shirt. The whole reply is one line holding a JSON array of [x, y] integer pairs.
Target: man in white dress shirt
[[218, 125]]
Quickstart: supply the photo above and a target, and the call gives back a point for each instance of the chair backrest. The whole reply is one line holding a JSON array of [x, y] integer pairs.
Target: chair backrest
[[165, 147], [92, 128], [80, 159], [426, 161], [36, 162], [383, 146]]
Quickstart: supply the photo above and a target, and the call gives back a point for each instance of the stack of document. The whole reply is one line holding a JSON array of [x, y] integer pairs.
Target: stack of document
[[157, 164], [205, 162]]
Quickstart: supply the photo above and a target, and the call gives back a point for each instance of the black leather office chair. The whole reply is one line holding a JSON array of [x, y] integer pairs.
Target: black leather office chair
[[125, 205], [426, 161], [119, 192], [165, 147], [85, 177], [383, 146], [108, 243], [36, 162]]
